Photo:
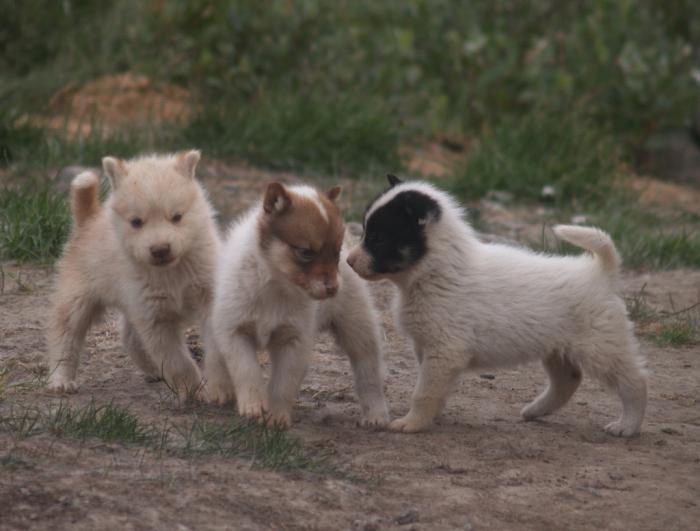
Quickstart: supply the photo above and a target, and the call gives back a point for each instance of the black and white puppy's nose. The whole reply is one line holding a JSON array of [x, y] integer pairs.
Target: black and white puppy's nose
[[160, 251]]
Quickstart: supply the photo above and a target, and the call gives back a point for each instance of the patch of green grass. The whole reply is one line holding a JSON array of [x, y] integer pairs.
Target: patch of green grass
[[34, 222], [678, 332], [269, 447], [648, 240], [302, 130], [522, 156], [637, 307], [108, 422], [263, 446]]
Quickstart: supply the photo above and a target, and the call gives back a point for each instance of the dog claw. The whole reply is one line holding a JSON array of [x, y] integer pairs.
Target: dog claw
[[618, 429], [408, 424], [63, 386]]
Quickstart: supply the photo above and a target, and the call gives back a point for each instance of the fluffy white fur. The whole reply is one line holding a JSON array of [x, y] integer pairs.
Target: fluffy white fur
[[471, 305], [110, 263], [256, 306]]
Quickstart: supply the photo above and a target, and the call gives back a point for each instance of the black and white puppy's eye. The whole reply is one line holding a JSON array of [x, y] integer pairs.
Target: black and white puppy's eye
[[137, 223], [177, 218], [304, 254]]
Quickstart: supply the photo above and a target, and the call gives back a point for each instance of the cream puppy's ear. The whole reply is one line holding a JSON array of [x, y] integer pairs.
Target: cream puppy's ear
[[115, 169], [186, 162], [276, 199], [334, 192]]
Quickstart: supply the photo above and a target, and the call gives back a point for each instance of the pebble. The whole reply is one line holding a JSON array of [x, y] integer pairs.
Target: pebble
[[409, 517]]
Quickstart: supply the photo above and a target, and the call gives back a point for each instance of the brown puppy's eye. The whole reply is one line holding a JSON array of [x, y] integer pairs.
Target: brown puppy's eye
[[137, 223], [177, 218], [304, 254]]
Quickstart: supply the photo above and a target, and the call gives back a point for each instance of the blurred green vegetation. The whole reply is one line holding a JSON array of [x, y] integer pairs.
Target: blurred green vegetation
[[338, 86], [544, 92]]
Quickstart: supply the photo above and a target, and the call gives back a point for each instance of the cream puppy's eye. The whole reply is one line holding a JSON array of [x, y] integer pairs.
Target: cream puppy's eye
[[176, 218], [304, 254], [137, 223]]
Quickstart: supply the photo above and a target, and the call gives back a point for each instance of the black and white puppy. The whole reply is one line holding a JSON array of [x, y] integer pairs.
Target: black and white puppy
[[470, 305]]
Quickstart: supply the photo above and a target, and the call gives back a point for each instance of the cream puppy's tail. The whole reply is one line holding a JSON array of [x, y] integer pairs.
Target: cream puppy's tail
[[593, 240], [84, 198]]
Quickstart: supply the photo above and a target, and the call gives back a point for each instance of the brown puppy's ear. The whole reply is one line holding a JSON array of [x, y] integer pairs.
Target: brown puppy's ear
[[186, 162], [276, 199], [115, 169], [333, 193]]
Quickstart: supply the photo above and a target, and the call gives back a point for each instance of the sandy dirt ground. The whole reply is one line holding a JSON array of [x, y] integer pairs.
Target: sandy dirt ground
[[481, 467]]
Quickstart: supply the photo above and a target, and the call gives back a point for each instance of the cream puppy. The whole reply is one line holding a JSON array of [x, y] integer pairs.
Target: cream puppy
[[150, 251], [280, 280], [470, 305]]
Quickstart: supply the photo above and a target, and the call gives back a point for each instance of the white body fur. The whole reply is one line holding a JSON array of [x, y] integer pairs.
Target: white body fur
[[256, 307], [472, 305], [102, 268]]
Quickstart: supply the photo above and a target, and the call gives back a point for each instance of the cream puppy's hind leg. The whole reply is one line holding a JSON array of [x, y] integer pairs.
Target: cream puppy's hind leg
[[436, 377], [289, 356], [134, 347], [564, 379], [69, 322]]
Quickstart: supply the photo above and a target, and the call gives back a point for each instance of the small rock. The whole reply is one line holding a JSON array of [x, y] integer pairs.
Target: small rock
[[670, 431], [615, 476], [499, 196], [409, 517], [548, 192], [488, 376], [579, 219]]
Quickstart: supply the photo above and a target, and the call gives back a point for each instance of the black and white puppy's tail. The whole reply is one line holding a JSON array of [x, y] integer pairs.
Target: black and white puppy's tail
[[593, 240]]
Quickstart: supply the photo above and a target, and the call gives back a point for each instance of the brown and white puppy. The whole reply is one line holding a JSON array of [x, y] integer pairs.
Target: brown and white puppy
[[279, 281], [149, 251]]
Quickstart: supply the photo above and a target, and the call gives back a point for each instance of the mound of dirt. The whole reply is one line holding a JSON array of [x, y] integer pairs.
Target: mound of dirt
[[113, 102]]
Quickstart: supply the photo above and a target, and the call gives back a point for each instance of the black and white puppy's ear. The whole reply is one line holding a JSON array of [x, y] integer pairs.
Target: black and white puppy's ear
[[393, 180], [115, 170], [276, 199], [421, 208]]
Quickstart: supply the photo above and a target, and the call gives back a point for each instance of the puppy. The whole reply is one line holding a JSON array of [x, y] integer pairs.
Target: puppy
[[470, 305], [280, 280], [149, 251]]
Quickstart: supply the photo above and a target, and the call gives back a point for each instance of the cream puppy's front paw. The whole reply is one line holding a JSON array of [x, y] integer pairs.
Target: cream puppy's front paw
[[216, 393], [375, 419], [252, 404], [60, 384], [620, 429], [278, 419], [410, 424]]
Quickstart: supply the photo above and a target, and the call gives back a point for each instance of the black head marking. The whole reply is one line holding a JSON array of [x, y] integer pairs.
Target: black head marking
[[395, 232], [393, 180]]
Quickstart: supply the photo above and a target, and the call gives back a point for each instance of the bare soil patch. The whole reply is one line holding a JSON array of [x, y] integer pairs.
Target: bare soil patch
[[481, 467]]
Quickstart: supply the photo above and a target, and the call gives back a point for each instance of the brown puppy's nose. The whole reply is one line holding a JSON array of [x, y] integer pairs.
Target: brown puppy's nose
[[351, 260], [160, 251]]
